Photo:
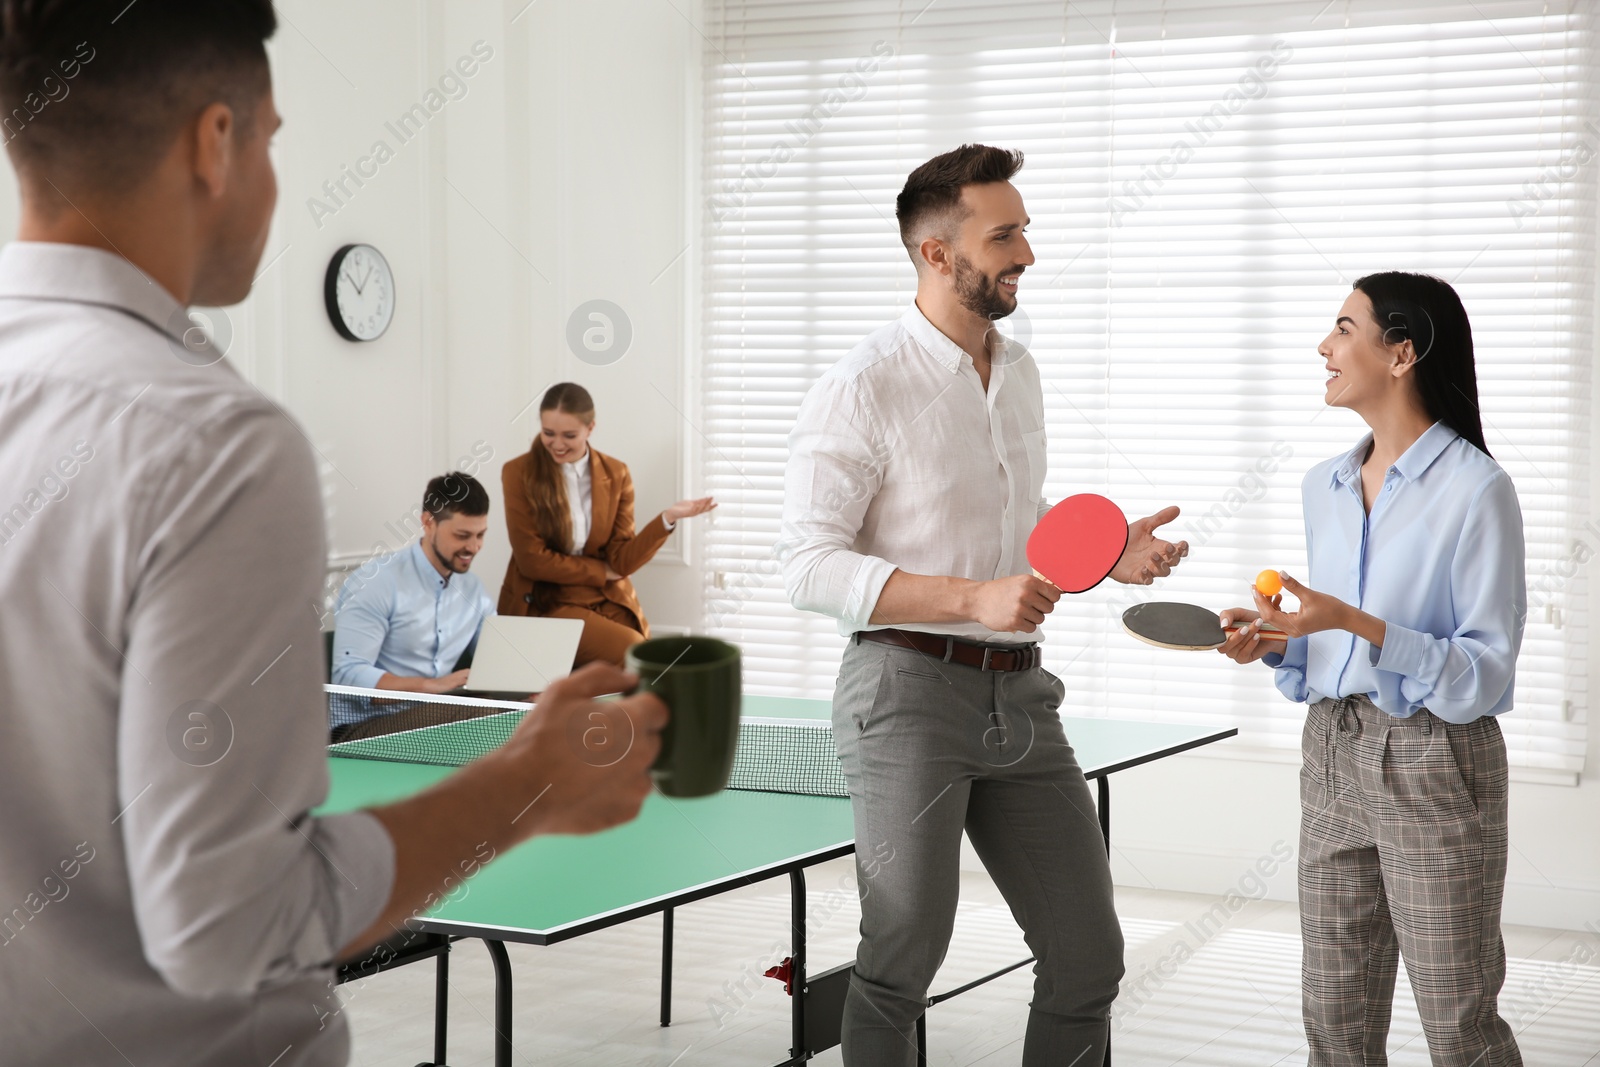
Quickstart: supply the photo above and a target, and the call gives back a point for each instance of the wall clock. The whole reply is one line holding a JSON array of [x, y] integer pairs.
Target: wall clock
[[359, 293]]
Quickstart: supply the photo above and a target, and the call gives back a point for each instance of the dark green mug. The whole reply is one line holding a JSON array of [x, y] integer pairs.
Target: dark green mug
[[699, 679]]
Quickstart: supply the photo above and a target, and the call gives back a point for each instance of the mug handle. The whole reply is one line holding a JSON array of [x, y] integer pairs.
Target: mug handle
[[667, 734]]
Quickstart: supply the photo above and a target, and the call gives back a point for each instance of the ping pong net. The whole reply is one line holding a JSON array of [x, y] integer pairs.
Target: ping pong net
[[775, 755]]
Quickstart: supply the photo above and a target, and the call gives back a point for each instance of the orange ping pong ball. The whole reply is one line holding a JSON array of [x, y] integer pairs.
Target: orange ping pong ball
[[1268, 583]]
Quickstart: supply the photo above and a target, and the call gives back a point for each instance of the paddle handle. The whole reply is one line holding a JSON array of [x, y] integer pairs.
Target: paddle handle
[[1266, 635]]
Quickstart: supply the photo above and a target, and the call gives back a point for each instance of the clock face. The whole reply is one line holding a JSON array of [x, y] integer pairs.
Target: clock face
[[359, 291]]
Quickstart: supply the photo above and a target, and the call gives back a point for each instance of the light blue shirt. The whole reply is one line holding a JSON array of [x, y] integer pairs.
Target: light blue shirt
[[397, 615], [1439, 560]]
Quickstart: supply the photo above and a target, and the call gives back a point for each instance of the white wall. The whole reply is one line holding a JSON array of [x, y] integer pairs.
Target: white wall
[[560, 176], [566, 174]]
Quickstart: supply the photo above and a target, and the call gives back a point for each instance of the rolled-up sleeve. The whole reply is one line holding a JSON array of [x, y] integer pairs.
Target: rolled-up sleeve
[[1464, 676], [834, 471], [222, 727]]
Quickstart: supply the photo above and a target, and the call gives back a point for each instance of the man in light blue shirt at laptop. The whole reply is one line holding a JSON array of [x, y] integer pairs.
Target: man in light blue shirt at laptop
[[405, 620]]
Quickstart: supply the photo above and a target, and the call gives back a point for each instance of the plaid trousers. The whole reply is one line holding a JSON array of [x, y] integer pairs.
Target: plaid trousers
[[1402, 852]]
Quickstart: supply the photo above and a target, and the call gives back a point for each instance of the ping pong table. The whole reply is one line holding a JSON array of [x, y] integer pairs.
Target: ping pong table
[[553, 889]]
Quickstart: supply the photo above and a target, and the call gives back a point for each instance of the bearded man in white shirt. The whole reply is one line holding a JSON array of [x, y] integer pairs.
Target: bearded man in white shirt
[[916, 473]]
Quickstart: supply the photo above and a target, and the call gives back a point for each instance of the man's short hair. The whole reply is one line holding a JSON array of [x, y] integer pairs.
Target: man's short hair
[[96, 90], [931, 199], [456, 493]]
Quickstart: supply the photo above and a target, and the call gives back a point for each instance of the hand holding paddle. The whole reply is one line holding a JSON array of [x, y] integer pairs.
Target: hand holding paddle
[[1147, 557], [1017, 604], [1246, 643]]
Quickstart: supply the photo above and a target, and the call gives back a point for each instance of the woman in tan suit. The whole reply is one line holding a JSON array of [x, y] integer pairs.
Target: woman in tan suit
[[569, 511]]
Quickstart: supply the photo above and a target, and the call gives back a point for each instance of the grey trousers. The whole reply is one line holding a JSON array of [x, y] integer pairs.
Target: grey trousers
[[931, 749], [1402, 852]]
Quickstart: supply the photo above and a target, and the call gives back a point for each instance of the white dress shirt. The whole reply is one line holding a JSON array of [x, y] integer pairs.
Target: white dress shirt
[[163, 730], [580, 499], [899, 459]]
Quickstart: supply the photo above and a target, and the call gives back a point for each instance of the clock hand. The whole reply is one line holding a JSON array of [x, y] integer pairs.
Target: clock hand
[[351, 279]]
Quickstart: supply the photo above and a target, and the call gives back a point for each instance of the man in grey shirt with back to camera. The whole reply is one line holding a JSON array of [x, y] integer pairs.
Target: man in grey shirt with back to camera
[[166, 896]]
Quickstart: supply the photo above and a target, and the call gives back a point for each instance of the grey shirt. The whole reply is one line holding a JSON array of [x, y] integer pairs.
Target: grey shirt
[[165, 895]]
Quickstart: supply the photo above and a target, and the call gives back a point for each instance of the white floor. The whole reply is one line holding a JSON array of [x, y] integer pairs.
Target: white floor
[[1194, 995]]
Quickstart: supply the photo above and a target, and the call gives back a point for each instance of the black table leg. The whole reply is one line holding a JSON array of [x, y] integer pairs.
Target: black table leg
[[441, 1005], [1105, 810], [666, 967], [1105, 831], [797, 924], [502, 1002]]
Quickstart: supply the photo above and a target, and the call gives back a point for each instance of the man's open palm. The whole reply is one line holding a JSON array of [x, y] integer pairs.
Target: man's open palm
[[1147, 556]]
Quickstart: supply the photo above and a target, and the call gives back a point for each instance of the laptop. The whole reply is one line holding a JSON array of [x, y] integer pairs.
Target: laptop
[[516, 656]]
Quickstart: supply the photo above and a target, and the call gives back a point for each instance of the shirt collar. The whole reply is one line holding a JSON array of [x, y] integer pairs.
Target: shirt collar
[[1411, 464], [1424, 450], [579, 468], [425, 568], [1349, 466], [947, 352], [45, 270]]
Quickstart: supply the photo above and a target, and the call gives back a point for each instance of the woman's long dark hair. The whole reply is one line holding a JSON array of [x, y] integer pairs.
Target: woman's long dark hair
[[1427, 312]]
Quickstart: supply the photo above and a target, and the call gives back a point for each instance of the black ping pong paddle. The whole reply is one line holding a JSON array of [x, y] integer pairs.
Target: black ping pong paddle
[[1185, 627]]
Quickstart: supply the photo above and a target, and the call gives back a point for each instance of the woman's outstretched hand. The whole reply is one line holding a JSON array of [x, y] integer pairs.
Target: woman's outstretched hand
[[688, 509]]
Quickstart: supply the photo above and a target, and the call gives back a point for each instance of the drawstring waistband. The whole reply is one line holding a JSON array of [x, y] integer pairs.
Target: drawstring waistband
[[1351, 715]]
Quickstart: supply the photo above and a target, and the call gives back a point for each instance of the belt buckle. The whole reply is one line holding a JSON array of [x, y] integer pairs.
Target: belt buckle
[[987, 652]]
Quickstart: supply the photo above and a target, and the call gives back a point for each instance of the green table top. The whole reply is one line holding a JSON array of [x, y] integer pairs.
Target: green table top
[[552, 888], [1102, 745]]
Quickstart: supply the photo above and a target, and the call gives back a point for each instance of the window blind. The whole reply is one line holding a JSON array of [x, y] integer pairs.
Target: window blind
[[1205, 182]]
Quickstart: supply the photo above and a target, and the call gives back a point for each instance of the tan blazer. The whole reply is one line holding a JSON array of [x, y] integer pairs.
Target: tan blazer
[[539, 577]]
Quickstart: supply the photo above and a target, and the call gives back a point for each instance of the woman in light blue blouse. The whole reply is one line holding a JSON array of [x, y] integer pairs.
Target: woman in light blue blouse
[[1404, 646]]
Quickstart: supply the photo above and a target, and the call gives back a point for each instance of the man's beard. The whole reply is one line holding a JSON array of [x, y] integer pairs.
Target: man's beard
[[449, 561], [981, 294]]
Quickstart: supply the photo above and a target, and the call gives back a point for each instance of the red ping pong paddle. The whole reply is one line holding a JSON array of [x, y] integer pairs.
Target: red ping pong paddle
[[1077, 542]]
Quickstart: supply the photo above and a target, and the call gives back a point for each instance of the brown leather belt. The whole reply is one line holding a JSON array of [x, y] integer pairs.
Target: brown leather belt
[[956, 650]]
